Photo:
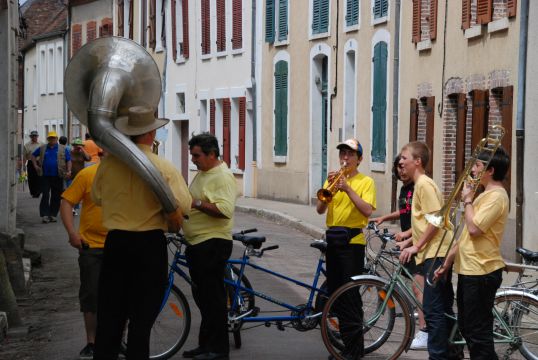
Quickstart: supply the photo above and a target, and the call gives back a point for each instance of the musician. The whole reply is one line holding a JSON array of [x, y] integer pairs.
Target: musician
[[478, 260], [347, 214], [438, 300], [135, 261]]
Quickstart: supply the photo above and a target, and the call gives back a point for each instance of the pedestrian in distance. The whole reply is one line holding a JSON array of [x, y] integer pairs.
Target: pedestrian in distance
[[209, 234], [89, 240], [347, 214], [477, 254], [34, 181], [403, 213], [437, 300], [134, 273], [54, 166]]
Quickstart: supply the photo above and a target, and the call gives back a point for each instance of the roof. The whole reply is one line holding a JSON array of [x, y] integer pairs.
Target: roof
[[40, 18]]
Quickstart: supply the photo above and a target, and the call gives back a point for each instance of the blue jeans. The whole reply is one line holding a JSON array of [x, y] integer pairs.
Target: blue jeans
[[437, 302]]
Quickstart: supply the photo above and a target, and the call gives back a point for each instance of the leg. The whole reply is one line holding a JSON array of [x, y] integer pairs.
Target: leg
[[57, 187], [90, 262], [33, 180], [44, 204]]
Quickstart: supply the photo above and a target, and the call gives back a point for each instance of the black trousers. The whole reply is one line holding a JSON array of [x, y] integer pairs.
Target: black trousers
[[34, 180], [52, 188], [207, 262], [476, 295], [342, 263], [133, 278]]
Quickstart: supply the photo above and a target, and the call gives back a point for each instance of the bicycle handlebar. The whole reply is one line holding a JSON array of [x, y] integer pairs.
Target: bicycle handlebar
[[385, 236]]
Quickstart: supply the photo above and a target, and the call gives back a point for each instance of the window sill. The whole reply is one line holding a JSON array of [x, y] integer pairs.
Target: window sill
[[281, 43], [159, 49], [280, 159], [498, 25], [351, 28], [380, 20], [237, 171], [180, 59], [205, 56], [424, 45], [221, 53], [179, 117], [319, 36], [377, 167], [237, 51], [473, 32]]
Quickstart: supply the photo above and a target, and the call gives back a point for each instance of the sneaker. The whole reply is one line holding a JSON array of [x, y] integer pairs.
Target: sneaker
[[420, 342], [75, 213], [52, 219], [45, 219], [87, 352]]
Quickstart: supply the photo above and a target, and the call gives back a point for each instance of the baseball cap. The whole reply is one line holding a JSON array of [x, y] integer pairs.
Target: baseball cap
[[34, 133], [52, 134], [78, 141], [353, 144]]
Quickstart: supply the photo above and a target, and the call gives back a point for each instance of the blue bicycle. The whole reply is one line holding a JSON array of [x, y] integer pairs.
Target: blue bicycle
[[172, 326]]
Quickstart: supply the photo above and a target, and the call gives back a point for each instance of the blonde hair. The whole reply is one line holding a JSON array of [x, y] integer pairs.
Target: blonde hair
[[419, 150]]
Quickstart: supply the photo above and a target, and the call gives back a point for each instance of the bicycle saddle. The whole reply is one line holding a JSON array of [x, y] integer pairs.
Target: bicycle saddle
[[254, 241], [320, 245], [527, 254]]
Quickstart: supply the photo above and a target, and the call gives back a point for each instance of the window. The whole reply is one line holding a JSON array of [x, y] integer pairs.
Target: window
[[320, 16], [380, 10], [42, 70], [106, 27], [76, 31], [51, 81], [34, 85], [237, 27], [221, 25], [121, 16], [486, 11], [276, 27], [59, 67], [281, 109], [180, 103], [242, 132], [91, 31], [350, 94], [352, 13], [180, 28], [206, 26], [226, 128], [424, 17], [379, 103]]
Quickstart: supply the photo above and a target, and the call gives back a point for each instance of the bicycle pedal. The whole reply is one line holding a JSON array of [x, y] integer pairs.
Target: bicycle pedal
[[255, 311], [279, 326]]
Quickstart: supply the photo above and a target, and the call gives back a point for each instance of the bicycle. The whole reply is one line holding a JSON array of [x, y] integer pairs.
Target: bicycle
[[389, 321], [175, 319]]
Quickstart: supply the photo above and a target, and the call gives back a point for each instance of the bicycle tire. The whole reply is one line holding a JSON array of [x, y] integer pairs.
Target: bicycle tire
[[247, 303], [376, 333], [520, 313]]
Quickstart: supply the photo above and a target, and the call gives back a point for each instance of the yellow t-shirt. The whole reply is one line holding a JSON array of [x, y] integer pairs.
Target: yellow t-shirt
[[427, 199], [481, 255], [341, 210], [218, 187], [91, 226], [127, 200]]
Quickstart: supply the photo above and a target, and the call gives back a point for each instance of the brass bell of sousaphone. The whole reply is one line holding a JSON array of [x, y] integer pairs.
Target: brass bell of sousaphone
[[102, 81]]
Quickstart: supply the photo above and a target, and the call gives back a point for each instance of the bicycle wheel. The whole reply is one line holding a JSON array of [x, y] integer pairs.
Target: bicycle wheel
[[520, 313], [245, 302], [172, 326], [391, 328]]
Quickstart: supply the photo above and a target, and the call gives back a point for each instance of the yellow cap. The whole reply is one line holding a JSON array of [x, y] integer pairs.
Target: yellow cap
[[52, 134]]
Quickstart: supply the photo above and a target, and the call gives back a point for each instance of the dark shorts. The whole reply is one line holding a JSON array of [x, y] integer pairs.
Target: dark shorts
[[89, 262], [413, 268]]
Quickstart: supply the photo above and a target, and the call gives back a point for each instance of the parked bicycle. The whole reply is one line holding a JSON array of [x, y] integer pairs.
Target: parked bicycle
[[172, 326], [389, 321]]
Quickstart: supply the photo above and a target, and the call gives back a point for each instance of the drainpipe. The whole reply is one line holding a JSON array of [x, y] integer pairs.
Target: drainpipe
[[336, 50], [253, 81], [520, 119], [395, 97], [67, 52]]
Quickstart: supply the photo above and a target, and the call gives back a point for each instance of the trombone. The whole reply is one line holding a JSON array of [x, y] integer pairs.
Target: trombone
[[444, 218]]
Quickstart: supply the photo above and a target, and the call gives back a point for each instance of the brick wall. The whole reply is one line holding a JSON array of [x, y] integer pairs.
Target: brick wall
[[499, 9], [449, 144], [421, 126], [91, 30], [76, 38]]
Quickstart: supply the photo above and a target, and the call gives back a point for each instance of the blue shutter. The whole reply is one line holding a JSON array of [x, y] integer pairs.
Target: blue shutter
[[270, 21], [315, 16], [381, 8], [282, 20], [379, 107], [281, 108], [323, 16], [352, 12]]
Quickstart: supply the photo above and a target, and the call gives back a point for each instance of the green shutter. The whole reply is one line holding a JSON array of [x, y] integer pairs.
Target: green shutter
[[270, 21], [281, 108], [379, 107], [282, 20], [315, 16], [381, 8], [352, 12], [324, 16]]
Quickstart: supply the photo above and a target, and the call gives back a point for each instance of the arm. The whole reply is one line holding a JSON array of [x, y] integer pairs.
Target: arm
[[449, 260], [430, 232], [361, 205], [392, 216], [85, 155], [66, 213], [467, 195], [403, 235], [34, 162], [208, 208], [321, 207]]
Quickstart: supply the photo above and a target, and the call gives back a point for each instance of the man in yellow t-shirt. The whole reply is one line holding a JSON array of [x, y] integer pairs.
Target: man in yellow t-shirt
[[478, 259], [437, 300], [89, 240], [347, 214], [209, 233]]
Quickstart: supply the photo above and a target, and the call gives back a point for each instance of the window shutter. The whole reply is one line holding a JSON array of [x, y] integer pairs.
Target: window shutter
[[461, 124], [381, 8], [106, 27], [221, 25], [511, 6], [131, 12], [416, 21], [352, 12], [465, 14], [91, 31], [152, 23], [237, 31], [76, 38], [270, 21], [242, 131], [120, 17], [433, 19], [226, 110], [483, 11], [506, 113], [281, 108], [413, 120], [185, 24], [282, 20], [430, 122], [379, 107], [324, 16], [206, 27], [480, 116], [316, 13], [384, 8], [212, 116], [174, 28]]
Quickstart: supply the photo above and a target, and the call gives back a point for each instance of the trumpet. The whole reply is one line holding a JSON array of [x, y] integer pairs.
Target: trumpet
[[155, 147], [445, 218], [326, 194]]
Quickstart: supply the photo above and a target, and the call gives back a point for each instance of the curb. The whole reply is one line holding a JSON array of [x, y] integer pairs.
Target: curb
[[284, 219]]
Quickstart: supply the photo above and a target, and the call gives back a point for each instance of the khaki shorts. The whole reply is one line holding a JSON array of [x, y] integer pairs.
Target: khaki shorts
[[89, 262]]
